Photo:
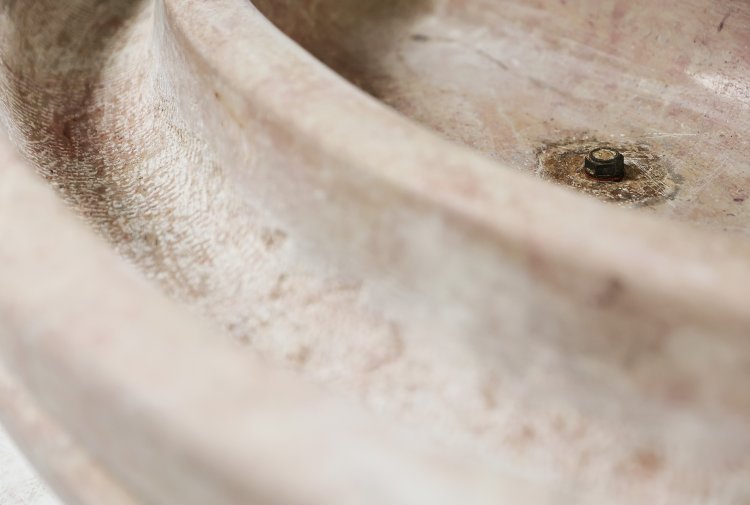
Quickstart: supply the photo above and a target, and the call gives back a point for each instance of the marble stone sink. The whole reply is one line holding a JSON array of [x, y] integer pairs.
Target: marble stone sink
[[326, 252]]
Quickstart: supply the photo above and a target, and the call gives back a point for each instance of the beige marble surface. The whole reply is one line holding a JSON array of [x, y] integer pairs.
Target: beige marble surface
[[263, 264]]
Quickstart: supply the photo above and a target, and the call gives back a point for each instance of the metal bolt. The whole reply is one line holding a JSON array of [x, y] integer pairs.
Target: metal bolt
[[605, 164]]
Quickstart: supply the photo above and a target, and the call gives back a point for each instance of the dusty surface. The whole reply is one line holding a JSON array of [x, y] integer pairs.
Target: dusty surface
[[439, 323]]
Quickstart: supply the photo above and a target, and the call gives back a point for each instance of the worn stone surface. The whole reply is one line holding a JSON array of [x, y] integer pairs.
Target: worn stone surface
[[286, 268], [506, 77]]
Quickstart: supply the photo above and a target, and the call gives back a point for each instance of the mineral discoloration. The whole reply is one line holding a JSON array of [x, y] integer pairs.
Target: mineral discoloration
[[339, 240], [648, 178]]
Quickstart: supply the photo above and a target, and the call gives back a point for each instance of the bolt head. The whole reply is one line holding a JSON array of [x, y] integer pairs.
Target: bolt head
[[605, 164]]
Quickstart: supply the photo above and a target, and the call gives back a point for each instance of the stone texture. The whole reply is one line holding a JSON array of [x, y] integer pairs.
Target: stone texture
[[253, 282]]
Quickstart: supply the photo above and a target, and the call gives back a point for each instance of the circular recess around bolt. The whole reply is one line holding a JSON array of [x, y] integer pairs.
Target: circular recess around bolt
[[605, 164]]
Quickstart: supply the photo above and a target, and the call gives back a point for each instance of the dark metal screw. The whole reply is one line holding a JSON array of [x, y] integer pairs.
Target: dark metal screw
[[605, 164]]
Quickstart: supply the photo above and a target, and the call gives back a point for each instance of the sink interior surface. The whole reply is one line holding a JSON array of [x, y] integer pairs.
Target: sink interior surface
[[514, 79], [219, 173]]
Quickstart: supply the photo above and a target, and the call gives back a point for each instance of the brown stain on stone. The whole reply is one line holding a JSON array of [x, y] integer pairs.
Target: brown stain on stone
[[524, 436], [301, 356], [273, 238], [681, 391], [488, 391], [648, 179], [279, 288], [612, 292], [643, 464]]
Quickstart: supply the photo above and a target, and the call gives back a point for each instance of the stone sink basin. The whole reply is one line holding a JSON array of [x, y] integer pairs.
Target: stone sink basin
[[326, 252]]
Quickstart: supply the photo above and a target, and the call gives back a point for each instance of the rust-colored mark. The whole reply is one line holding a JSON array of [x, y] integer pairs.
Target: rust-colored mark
[[644, 464], [300, 356], [648, 180], [523, 437]]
